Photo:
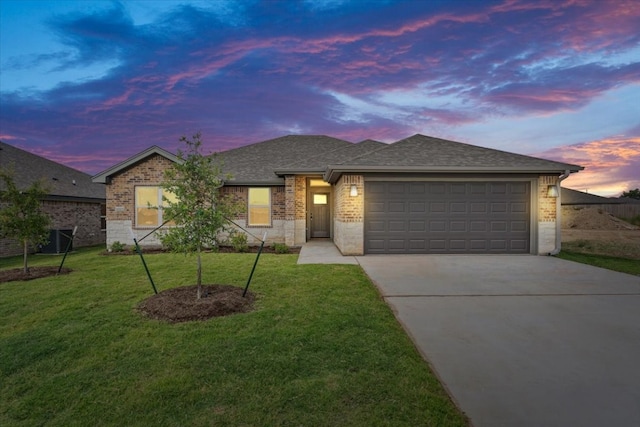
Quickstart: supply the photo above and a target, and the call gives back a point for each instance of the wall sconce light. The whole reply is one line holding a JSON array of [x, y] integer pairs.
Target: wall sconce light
[[354, 191], [552, 191]]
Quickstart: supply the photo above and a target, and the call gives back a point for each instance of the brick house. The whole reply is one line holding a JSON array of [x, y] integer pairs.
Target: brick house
[[72, 199], [417, 195]]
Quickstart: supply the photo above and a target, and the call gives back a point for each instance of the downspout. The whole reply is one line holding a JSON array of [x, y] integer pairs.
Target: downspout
[[558, 247]]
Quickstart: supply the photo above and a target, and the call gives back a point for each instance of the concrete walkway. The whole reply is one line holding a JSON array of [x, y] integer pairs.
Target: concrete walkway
[[323, 251]]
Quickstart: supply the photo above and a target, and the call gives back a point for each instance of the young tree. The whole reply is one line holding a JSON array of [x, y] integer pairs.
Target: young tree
[[198, 212], [632, 194], [21, 217]]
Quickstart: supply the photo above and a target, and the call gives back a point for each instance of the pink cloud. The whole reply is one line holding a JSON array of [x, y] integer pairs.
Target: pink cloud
[[7, 137], [612, 165]]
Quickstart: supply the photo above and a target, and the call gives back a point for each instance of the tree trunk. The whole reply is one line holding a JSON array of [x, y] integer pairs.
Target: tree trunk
[[25, 245], [199, 274]]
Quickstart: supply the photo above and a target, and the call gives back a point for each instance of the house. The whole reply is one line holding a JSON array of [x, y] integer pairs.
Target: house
[[72, 199], [418, 195]]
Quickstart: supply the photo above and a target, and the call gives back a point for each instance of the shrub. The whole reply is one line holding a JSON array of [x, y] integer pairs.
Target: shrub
[[238, 241], [280, 248], [117, 247]]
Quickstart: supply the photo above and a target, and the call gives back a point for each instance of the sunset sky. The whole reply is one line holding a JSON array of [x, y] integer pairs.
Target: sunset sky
[[90, 83]]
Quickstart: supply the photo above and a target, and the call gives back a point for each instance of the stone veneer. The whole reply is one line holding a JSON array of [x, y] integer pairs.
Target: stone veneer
[[348, 232]]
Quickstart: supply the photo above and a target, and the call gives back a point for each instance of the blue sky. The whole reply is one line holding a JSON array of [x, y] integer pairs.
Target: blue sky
[[90, 83]]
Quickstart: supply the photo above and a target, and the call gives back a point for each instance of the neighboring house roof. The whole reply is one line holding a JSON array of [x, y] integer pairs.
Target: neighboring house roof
[[256, 163], [574, 197], [103, 177], [61, 182], [420, 153]]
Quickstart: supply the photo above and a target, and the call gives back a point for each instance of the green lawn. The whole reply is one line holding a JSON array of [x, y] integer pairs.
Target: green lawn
[[322, 349], [624, 265]]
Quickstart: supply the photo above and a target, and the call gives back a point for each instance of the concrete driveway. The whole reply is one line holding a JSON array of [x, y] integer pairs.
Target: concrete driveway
[[521, 340]]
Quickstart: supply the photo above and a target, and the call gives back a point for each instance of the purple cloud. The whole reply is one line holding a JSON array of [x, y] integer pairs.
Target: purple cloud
[[280, 67]]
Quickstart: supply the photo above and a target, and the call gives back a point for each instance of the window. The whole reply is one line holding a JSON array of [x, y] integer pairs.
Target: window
[[149, 205], [318, 183], [260, 206], [319, 199]]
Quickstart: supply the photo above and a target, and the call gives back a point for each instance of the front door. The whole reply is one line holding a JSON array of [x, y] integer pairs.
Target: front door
[[319, 221]]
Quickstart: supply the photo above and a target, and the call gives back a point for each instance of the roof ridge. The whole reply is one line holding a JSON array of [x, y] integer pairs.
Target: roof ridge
[[421, 138], [375, 150], [497, 150], [318, 155]]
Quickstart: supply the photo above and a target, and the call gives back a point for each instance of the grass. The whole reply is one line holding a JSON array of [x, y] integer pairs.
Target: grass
[[633, 220], [624, 265], [617, 249], [322, 349]]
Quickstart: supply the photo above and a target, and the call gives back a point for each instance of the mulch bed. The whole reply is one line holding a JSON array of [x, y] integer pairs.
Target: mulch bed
[[181, 304], [16, 274]]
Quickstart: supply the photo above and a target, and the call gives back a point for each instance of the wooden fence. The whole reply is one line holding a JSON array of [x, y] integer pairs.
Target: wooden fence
[[623, 210]]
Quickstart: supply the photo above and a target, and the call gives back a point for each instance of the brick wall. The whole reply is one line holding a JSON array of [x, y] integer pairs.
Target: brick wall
[[547, 215], [546, 204], [121, 202], [301, 198], [121, 193], [348, 208], [278, 204], [121, 199], [295, 213], [66, 215], [349, 215], [240, 195]]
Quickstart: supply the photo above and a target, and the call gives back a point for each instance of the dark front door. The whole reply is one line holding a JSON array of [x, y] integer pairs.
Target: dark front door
[[319, 221]]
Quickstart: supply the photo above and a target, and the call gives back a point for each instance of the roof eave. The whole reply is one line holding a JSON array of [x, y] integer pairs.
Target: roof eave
[[245, 183], [333, 172], [62, 198], [300, 171]]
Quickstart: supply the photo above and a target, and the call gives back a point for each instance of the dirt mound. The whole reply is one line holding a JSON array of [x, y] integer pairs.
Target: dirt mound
[[181, 305], [592, 219]]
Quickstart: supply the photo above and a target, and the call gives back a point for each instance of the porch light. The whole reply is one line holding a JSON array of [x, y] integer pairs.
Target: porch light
[[354, 191], [552, 191]]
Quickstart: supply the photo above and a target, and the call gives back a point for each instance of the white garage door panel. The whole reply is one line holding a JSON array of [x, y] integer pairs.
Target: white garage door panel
[[447, 217]]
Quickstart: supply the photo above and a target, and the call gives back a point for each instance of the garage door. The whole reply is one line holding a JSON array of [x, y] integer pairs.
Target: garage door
[[447, 217]]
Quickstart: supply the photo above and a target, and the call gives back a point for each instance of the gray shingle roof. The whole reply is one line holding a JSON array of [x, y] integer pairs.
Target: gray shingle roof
[[420, 150], [420, 153], [59, 179], [256, 163], [265, 162], [319, 162]]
